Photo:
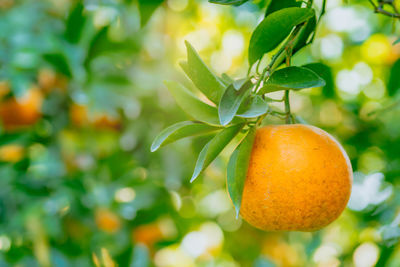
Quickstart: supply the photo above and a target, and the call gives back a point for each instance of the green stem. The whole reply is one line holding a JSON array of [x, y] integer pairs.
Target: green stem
[[287, 108]]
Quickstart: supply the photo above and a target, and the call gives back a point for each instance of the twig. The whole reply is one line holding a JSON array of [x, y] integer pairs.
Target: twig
[[380, 8]]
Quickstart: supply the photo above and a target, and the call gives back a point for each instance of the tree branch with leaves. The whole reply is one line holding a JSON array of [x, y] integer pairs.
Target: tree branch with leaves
[[240, 105]]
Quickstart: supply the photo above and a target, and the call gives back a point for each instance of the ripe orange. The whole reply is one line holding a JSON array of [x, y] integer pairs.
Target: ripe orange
[[299, 179], [19, 113]]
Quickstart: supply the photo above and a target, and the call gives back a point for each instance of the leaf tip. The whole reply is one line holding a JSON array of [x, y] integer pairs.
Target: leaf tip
[[194, 176], [224, 121], [188, 45], [237, 212], [154, 147]]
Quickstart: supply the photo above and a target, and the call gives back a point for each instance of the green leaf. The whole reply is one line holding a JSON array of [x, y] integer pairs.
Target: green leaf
[[231, 100], [226, 79], [228, 2], [140, 256], [192, 105], [75, 23], [274, 29], [237, 169], [180, 130], [276, 5], [97, 44], [292, 78], [100, 44], [208, 83], [305, 34], [396, 42], [253, 107], [212, 149], [394, 81], [325, 73], [147, 8], [59, 63], [300, 120]]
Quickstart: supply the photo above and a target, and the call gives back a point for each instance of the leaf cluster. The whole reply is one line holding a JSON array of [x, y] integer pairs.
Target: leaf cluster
[[235, 107]]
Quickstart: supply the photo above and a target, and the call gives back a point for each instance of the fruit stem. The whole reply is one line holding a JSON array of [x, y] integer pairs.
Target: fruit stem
[[287, 108]]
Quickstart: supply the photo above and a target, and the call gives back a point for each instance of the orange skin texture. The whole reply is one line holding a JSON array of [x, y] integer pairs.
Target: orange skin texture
[[299, 179]]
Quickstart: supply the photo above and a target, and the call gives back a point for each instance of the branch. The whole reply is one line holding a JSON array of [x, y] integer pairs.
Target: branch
[[380, 9]]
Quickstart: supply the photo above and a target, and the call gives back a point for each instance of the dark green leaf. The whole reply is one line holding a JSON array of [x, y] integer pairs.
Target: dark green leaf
[[274, 29], [180, 130], [59, 63], [212, 149], [253, 107], [192, 105], [325, 73], [305, 34], [228, 2], [96, 45], [146, 9], [237, 169], [394, 80], [230, 102], [292, 78], [75, 23], [116, 79], [276, 5], [101, 43], [209, 84]]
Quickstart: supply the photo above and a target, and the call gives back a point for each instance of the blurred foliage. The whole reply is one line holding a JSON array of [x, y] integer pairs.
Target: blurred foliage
[[82, 98]]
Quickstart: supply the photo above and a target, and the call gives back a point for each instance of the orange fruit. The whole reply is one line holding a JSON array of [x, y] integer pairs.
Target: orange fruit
[[147, 234], [49, 80], [107, 221], [299, 179], [105, 121], [19, 113], [11, 153], [80, 117]]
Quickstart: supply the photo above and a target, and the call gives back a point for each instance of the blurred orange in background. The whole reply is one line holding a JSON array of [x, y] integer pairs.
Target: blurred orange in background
[[80, 117], [17, 113], [11, 153], [107, 221], [147, 234], [49, 80]]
